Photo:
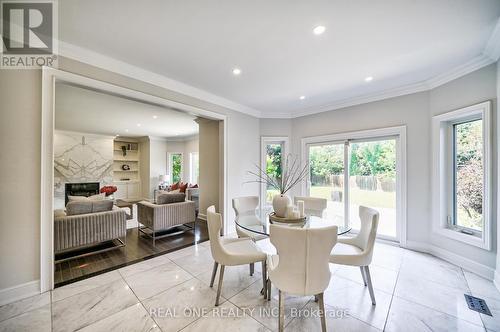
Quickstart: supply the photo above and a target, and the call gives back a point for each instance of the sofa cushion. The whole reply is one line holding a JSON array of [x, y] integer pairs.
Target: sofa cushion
[[102, 206], [78, 207], [97, 197], [170, 198]]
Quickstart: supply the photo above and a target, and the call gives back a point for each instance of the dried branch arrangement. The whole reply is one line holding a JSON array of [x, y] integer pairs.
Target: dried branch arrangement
[[293, 173]]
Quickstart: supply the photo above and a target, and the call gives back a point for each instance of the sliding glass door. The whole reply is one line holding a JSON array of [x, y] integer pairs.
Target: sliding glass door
[[326, 176], [372, 182], [350, 173]]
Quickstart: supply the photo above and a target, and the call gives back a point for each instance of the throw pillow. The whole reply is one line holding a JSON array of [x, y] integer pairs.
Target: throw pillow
[[175, 186], [170, 198], [193, 186], [78, 207], [102, 205], [183, 187]]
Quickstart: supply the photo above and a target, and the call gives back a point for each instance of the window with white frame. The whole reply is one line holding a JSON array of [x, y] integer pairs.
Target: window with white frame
[[194, 165], [462, 179], [175, 166]]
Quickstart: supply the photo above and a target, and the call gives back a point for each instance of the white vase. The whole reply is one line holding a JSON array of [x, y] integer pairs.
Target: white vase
[[280, 203]]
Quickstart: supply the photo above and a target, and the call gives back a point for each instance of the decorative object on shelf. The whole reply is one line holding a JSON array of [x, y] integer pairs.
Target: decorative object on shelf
[[288, 220], [124, 150], [126, 167], [163, 182], [108, 190], [124, 179], [293, 174]]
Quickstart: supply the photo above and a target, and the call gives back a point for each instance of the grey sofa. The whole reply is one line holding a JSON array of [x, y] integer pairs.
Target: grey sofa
[[83, 230], [161, 217]]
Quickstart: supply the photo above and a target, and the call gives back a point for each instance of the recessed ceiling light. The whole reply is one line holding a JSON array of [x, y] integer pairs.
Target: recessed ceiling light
[[236, 71], [319, 30], [155, 116], [117, 135], [302, 97], [138, 125], [369, 79], [126, 130]]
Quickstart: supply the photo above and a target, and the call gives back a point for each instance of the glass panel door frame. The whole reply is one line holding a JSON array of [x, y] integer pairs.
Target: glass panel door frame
[[265, 140], [399, 134]]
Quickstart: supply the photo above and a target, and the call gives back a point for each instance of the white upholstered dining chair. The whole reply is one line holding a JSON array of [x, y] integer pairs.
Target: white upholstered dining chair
[[230, 251], [358, 251], [313, 206], [245, 208], [301, 265]]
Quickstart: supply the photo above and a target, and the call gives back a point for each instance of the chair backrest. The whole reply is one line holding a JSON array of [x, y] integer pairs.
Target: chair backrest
[[214, 223], [245, 206], [303, 258], [313, 206], [368, 232]]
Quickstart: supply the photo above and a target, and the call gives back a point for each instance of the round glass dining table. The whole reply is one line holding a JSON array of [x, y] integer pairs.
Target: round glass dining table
[[262, 228]]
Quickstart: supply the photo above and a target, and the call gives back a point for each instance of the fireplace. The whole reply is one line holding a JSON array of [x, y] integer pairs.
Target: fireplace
[[80, 189]]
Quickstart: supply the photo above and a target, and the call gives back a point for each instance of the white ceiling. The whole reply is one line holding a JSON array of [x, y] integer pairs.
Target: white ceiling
[[82, 110], [198, 43]]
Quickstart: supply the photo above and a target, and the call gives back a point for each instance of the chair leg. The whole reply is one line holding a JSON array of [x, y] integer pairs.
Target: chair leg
[[264, 278], [370, 286], [281, 311], [252, 266], [363, 274], [219, 288], [214, 272], [269, 286], [316, 298], [322, 312]]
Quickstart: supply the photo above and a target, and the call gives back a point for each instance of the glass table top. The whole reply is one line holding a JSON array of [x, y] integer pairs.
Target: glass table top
[[262, 228]]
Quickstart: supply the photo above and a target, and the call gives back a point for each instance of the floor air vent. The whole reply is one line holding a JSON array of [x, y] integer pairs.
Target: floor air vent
[[477, 304]]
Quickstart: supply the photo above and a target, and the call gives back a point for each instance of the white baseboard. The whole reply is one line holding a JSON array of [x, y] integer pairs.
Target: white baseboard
[[496, 280], [465, 263], [19, 292]]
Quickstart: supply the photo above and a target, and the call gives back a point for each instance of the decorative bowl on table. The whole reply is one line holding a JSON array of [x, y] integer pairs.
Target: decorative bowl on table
[[274, 218]]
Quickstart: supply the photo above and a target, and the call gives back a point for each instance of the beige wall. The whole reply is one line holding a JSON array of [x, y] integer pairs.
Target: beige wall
[[20, 128], [209, 164], [20, 124]]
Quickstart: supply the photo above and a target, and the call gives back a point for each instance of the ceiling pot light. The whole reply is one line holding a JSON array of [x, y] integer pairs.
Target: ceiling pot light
[[236, 71], [302, 97], [369, 79], [126, 130], [155, 116], [319, 30], [138, 125]]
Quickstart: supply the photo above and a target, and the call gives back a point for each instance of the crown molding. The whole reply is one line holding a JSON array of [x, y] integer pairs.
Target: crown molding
[[492, 49], [117, 66], [490, 54], [459, 71]]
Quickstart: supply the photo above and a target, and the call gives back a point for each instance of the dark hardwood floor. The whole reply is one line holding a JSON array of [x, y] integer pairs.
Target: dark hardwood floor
[[137, 249]]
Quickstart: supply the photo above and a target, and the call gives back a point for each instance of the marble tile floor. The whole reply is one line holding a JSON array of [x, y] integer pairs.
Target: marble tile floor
[[414, 292]]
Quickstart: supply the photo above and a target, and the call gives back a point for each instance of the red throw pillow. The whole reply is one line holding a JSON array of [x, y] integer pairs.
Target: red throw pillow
[[183, 187], [175, 186]]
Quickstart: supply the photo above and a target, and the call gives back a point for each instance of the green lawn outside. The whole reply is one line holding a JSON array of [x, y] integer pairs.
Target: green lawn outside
[[380, 199]]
